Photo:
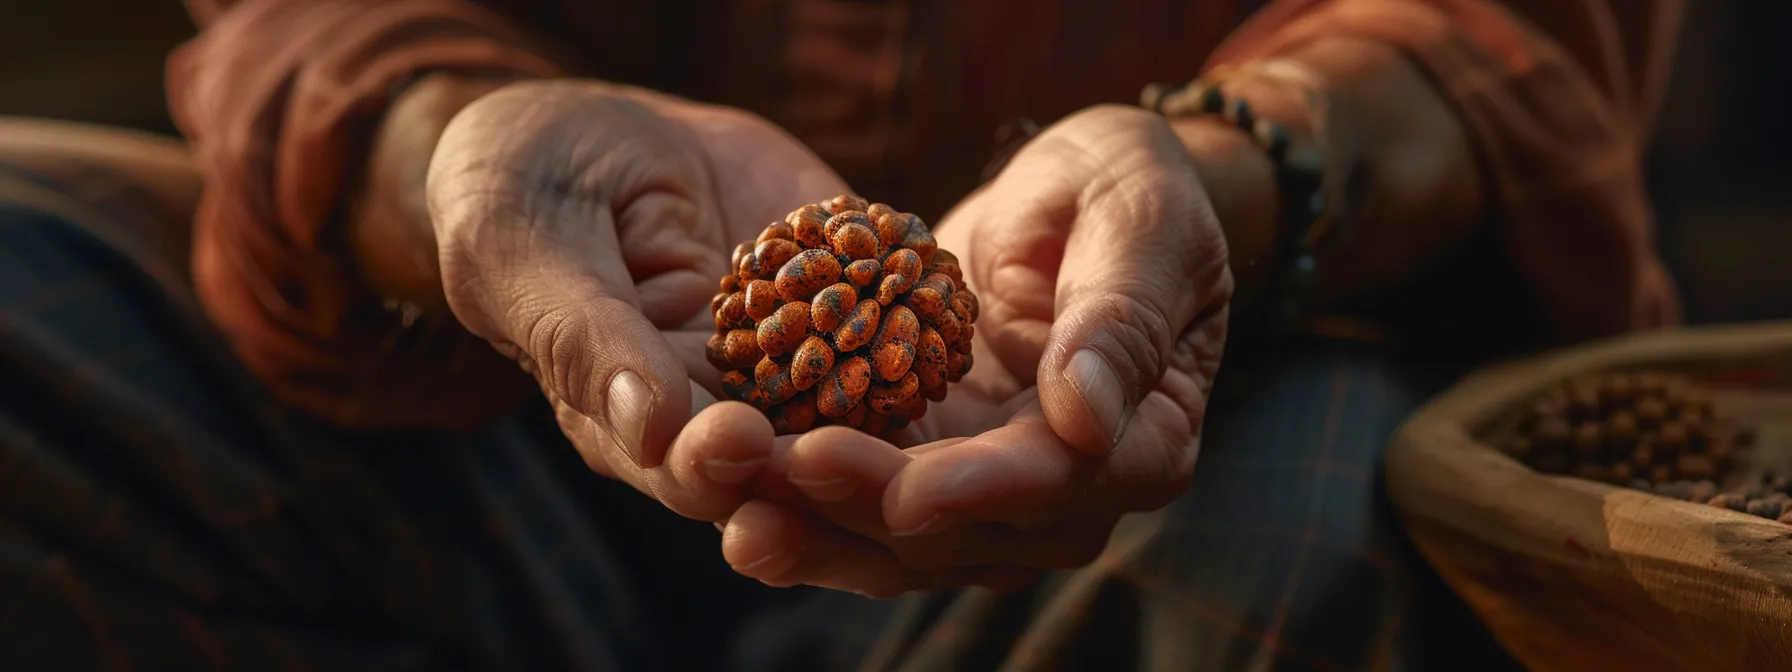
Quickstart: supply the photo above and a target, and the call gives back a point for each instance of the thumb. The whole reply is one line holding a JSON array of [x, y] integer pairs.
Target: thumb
[[1144, 270], [527, 190]]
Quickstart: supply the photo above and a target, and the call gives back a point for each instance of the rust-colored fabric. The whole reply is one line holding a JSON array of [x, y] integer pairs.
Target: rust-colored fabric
[[277, 100], [1559, 97], [904, 99]]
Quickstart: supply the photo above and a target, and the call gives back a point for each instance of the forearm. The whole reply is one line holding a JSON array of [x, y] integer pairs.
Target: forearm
[[1421, 196]]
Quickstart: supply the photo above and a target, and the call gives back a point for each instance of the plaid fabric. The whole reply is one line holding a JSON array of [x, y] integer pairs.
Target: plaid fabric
[[158, 512]]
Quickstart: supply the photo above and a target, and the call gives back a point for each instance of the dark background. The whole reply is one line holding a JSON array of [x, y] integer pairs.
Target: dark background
[[1719, 169]]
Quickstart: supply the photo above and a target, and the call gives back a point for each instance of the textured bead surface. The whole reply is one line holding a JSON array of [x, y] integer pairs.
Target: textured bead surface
[[844, 313]]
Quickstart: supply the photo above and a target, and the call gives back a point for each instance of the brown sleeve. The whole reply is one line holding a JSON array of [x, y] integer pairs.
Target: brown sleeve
[[277, 99], [1558, 97]]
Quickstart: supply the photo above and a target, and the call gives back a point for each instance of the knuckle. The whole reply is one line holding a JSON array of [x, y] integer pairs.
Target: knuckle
[[1136, 324]]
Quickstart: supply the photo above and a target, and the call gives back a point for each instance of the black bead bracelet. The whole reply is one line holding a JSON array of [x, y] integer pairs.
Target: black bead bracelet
[[1307, 214]]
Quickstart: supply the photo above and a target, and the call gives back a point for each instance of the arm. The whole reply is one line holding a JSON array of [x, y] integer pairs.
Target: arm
[[282, 103], [1529, 115]]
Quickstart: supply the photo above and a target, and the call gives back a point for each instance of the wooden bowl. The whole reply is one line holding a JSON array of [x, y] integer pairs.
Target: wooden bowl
[[1578, 575]]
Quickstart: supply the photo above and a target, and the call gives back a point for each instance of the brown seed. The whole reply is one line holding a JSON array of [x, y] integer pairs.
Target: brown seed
[[748, 269], [1650, 412], [730, 284], [831, 306], [806, 274], [774, 381], [715, 302], [1695, 467], [797, 416], [858, 329], [890, 288], [762, 299], [878, 211], [1694, 402], [1643, 455], [777, 230], [1588, 438], [1621, 431], [957, 365], [1729, 500], [948, 325], [1702, 492], [1661, 473], [1673, 435], [856, 416], [733, 311], [892, 230], [843, 387], [1553, 431], [925, 302], [844, 203], [965, 304], [965, 335], [863, 272], [905, 263], [739, 349], [1617, 389], [937, 393], [855, 241], [1621, 473], [740, 252], [842, 220], [1765, 508], [889, 398], [946, 263], [785, 329], [774, 253], [913, 409], [938, 282], [930, 360], [922, 242], [812, 361], [1583, 402], [808, 225], [741, 387], [893, 351]]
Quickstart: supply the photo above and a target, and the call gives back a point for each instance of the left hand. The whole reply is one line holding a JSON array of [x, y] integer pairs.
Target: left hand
[[1103, 278]]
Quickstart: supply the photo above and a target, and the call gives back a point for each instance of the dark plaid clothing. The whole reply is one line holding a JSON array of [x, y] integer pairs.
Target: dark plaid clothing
[[157, 511]]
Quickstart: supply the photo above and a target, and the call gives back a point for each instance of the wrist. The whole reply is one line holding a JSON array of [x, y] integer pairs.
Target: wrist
[[388, 227], [1240, 181]]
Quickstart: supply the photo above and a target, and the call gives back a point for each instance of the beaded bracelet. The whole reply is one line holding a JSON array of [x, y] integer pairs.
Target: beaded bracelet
[[1310, 195]]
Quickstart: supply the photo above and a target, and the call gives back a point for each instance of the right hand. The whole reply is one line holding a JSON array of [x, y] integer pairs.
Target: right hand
[[581, 229]]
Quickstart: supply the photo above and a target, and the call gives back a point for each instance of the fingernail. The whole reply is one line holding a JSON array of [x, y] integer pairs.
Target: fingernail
[[732, 471], [629, 401], [925, 527], [830, 490], [768, 568], [1100, 389]]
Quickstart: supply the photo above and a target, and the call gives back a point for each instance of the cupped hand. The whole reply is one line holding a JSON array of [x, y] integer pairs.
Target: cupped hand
[[1103, 277], [581, 229]]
